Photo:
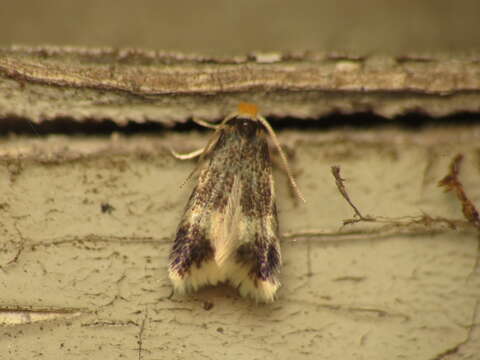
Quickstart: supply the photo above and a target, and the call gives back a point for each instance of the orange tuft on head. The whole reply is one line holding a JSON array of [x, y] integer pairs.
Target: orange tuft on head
[[248, 109]]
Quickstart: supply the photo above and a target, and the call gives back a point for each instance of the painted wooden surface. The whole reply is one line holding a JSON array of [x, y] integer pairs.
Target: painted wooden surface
[[87, 223]]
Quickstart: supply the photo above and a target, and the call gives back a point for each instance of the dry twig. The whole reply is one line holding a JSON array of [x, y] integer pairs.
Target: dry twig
[[452, 183]]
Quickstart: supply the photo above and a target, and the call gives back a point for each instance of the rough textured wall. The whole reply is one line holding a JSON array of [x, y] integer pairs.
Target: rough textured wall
[[87, 224]]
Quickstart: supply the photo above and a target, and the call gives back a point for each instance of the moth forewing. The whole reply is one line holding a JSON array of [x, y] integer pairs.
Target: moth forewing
[[229, 229]]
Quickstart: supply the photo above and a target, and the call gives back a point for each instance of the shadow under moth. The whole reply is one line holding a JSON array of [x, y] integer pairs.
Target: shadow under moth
[[229, 229]]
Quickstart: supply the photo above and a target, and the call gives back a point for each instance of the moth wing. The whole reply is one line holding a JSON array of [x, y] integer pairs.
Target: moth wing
[[229, 230], [258, 258], [225, 239], [192, 259]]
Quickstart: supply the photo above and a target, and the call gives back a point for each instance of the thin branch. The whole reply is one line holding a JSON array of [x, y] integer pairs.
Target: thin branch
[[341, 187], [411, 225], [451, 183]]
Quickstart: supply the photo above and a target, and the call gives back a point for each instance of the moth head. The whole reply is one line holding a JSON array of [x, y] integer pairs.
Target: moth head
[[248, 110], [248, 119]]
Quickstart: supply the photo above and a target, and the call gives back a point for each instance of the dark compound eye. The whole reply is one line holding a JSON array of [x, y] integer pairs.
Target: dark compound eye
[[247, 127]]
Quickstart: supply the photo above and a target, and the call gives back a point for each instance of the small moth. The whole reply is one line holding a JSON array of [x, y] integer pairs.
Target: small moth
[[229, 229]]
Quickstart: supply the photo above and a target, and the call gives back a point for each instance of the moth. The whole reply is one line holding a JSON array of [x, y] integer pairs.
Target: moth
[[229, 229]]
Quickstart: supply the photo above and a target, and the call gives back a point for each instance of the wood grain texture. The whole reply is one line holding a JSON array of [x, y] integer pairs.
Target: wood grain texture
[[86, 83]]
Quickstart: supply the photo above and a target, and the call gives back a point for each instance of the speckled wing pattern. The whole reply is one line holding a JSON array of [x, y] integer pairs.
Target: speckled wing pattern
[[229, 231]]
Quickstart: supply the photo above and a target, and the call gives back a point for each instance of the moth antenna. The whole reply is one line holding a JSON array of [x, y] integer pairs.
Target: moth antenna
[[211, 142], [214, 138], [227, 119], [202, 151], [272, 134], [204, 123]]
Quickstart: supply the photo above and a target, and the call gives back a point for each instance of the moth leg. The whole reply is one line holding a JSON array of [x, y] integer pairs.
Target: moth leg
[[205, 149], [187, 156]]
